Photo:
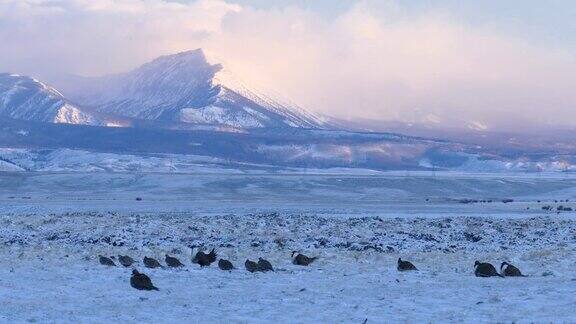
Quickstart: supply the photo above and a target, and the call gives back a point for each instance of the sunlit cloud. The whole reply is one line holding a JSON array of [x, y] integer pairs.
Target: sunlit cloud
[[365, 63]]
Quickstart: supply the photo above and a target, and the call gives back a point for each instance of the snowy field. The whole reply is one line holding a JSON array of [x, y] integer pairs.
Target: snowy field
[[54, 225]]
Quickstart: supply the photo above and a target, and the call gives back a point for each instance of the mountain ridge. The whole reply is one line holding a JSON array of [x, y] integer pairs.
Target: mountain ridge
[[187, 88], [187, 103], [23, 97]]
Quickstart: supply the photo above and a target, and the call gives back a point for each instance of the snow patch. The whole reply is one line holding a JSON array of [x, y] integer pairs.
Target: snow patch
[[69, 114], [218, 115]]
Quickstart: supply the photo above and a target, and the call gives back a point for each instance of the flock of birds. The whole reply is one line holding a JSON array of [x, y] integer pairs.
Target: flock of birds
[[481, 269], [141, 281]]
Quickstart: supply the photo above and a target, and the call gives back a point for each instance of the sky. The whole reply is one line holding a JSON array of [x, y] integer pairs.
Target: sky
[[491, 63]]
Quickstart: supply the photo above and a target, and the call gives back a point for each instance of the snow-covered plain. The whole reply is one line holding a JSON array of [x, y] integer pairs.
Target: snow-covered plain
[[53, 226]]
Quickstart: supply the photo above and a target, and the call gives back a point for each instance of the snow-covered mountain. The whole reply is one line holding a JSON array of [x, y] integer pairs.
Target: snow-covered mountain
[[26, 98], [178, 104], [187, 89]]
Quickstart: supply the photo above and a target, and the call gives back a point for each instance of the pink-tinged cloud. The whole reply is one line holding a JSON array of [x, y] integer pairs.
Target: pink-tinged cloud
[[363, 64]]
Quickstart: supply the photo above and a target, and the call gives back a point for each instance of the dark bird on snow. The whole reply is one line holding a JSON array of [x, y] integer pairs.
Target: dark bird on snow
[[482, 269], [301, 259], [509, 270], [151, 263], [173, 262], [106, 261], [141, 281], [204, 259], [225, 265], [201, 258], [264, 265], [125, 260], [251, 266], [405, 265]]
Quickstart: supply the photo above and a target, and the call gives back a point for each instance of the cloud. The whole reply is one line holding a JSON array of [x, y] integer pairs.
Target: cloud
[[369, 62], [100, 36]]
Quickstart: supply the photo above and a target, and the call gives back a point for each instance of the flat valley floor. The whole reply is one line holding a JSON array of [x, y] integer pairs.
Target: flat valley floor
[[53, 226]]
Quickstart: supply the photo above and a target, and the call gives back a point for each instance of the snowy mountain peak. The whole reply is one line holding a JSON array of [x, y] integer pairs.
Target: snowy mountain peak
[[188, 88], [190, 64], [185, 90], [26, 98]]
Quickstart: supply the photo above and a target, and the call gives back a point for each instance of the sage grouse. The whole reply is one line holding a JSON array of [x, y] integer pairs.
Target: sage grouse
[[141, 281], [405, 265], [125, 260], [151, 263], [204, 259], [173, 262], [225, 265], [301, 259], [482, 269], [251, 266], [264, 265], [509, 270]]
